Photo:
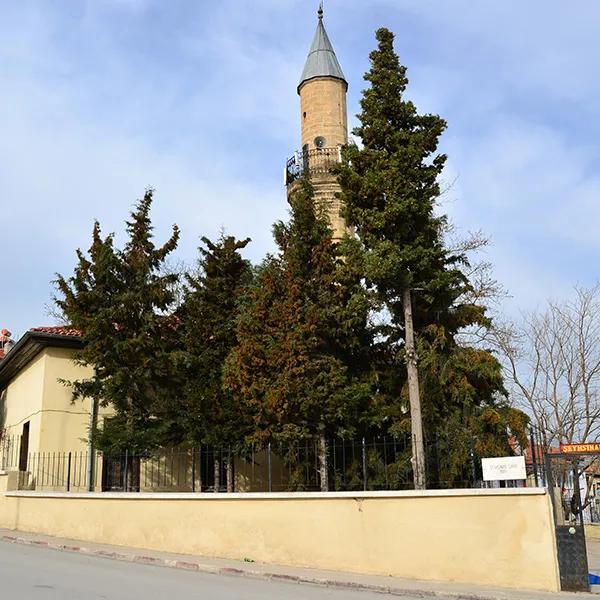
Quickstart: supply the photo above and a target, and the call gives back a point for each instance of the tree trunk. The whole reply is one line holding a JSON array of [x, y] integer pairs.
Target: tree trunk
[[217, 467], [323, 464], [229, 470], [418, 446]]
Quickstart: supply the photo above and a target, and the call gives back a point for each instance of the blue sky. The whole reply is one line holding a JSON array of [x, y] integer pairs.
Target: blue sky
[[100, 99]]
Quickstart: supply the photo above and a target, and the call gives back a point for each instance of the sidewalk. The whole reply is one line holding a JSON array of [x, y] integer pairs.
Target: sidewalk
[[385, 585]]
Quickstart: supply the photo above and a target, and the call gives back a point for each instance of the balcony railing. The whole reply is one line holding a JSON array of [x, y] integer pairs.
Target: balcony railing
[[311, 162]]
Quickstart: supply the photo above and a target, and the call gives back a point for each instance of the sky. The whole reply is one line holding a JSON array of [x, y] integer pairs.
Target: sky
[[101, 99]]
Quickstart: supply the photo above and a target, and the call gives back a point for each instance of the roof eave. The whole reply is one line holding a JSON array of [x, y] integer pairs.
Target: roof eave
[[305, 81], [28, 347]]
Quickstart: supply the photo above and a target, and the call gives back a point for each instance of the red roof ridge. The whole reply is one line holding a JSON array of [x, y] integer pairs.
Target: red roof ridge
[[58, 330]]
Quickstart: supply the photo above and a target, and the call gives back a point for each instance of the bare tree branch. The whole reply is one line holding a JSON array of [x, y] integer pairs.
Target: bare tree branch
[[552, 361]]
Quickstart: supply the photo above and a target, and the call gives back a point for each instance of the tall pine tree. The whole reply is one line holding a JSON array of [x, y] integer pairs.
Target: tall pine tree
[[121, 301], [390, 188], [300, 365]]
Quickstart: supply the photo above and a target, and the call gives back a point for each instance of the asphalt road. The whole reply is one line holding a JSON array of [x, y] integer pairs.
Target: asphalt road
[[29, 573]]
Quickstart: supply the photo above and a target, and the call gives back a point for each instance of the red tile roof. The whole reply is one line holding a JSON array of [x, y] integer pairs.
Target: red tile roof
[[58, 330], [171, 320], [61, 330], [540, 453]]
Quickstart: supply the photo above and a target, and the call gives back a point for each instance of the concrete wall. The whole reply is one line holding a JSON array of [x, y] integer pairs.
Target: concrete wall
[[592, 531], [488, 537]]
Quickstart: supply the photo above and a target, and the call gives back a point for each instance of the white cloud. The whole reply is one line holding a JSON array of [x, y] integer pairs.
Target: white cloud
[[61, 165], [104, 97], [525, 187]]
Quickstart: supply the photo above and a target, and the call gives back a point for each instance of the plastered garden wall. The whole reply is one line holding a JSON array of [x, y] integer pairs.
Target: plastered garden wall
[[488, 537]]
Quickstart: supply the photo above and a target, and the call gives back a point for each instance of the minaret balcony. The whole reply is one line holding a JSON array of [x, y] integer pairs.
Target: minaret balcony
[[317, 161]]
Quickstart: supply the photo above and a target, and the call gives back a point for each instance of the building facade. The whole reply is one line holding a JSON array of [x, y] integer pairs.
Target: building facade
[[36, 406], [40, 424]]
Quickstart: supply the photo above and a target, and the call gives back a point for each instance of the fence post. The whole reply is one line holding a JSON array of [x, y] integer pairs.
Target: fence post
[[193, 470], [550, 484], [544, 452], [125, 471], [91, 475], [533, 457], [334, 467], [473, 462], [364, 463], [269, 463], [69, 474]]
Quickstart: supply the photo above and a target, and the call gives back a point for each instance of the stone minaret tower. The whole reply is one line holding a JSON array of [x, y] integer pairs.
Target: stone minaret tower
[[324, 119]]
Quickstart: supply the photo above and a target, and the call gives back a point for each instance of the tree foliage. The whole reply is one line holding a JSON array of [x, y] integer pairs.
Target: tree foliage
[[299, 363], [311, 343], [120, 299], [390, 190], [209, 317]]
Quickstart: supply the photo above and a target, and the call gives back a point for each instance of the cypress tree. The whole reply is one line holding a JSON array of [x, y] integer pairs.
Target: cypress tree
[[121, 301], [209, 315], [390, 189], [300, 363]]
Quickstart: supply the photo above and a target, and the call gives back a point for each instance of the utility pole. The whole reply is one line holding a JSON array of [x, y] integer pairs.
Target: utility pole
[[418, 446]]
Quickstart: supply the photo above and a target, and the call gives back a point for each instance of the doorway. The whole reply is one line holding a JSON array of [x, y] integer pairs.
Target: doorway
[[24, 450]]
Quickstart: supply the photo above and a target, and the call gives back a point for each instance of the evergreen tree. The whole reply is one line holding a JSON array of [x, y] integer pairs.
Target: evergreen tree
[[300, 366], [120, 300], [390, 187], [209, 314]]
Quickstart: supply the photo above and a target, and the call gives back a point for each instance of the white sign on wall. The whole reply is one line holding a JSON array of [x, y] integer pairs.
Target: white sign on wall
[[504, 468]]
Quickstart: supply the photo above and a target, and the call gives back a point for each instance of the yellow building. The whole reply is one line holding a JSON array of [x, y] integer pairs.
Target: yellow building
[[45, 433], [34, 403], [39, 420]]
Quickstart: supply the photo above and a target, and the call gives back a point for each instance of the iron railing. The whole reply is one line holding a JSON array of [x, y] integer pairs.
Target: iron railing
[[317, 161], [379, 463], [10, 450]]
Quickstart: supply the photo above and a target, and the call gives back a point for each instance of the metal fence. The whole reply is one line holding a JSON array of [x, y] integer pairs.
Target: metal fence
[[379, 463], [575, 480], [10, 451], [317, 161]]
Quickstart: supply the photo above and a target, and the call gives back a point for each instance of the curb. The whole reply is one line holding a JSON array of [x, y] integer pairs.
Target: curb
[[213, 570]]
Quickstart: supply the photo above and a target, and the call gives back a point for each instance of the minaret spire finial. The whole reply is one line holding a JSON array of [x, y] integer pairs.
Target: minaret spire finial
[[321, 60]]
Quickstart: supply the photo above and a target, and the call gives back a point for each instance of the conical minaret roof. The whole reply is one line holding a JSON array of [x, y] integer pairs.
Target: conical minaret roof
[[321, 61]]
